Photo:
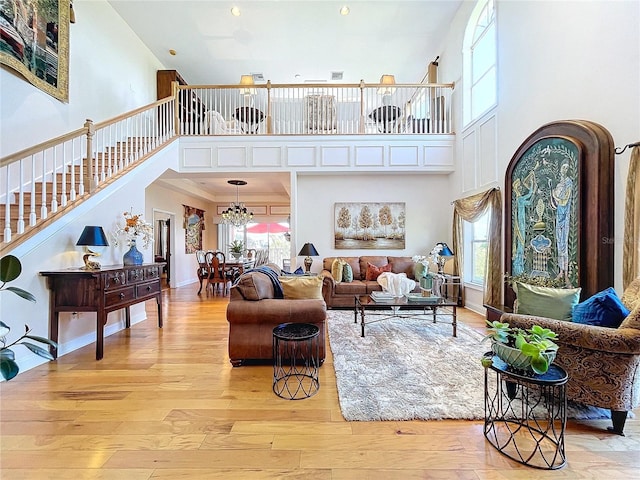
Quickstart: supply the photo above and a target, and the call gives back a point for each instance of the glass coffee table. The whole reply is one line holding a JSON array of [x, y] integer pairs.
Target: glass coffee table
[[376, 310]]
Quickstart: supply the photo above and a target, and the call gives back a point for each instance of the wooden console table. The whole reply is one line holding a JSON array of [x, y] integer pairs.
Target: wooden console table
[[101, 291]]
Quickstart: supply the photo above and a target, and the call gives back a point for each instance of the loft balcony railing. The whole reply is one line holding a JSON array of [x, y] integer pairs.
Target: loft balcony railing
[[41, 183], [313, 109]]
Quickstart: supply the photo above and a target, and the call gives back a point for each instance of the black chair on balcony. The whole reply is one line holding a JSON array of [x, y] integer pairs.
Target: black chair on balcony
[[386, 118], [249, 119]]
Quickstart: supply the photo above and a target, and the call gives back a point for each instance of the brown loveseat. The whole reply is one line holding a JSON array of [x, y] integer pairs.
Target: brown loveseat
[[603, 363], [253, 312], [342, 294]]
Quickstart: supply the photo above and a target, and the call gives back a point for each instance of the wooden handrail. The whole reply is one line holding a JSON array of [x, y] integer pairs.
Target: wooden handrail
[[131, 113], [41, 146]]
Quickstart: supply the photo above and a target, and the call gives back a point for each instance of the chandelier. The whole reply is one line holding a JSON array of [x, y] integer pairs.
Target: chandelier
[[237, 214]]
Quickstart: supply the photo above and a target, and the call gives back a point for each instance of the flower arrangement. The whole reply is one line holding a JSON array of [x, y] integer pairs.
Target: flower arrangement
[[434, 255], [421, 259], [134, 228]]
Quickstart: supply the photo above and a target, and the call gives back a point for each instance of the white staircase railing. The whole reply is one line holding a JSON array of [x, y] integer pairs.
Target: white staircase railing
[[38, 183]]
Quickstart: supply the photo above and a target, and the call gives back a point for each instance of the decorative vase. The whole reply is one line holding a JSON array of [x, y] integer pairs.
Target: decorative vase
[[515, 358], [236, 255], [133, 256]]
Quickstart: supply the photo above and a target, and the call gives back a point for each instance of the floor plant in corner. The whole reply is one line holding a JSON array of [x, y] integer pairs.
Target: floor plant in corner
[[10, 269], [527, 350]]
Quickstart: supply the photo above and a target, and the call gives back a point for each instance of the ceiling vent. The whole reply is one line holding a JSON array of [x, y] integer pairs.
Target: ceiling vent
[[336, 75], [315, 81], [257, 77]]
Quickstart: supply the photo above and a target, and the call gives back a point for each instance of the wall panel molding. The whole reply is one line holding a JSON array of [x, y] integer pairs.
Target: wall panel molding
[[321, 153]]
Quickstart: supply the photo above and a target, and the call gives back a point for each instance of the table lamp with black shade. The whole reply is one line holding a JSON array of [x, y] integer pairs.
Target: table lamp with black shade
[[444, 255], [309, 251], [92, 236]]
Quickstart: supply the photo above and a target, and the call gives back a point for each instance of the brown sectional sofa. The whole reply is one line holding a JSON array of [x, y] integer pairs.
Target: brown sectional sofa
[[253, 312], [342, 294]]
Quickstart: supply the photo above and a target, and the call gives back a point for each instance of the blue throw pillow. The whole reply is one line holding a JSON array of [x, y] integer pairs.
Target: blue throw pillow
[[604, 309], [298, 271]]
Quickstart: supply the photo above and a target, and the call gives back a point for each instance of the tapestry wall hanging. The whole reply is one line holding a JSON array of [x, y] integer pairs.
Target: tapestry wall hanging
[[35, 43], [369, 226], [193, 227], [545, 212]]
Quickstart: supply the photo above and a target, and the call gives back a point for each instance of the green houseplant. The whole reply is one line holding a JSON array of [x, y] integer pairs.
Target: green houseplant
[[236, 248], [529, 350], [10, 269]]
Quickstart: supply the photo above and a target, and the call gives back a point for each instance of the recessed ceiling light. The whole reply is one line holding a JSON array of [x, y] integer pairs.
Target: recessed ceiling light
[[235, 11], [344, 11], [172, 52]]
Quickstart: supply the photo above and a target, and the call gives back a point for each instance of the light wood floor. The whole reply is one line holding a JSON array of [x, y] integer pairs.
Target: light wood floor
[[166, 404]]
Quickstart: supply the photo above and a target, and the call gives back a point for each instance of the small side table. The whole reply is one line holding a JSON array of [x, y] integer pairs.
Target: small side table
[[525, 416], [296, 358]]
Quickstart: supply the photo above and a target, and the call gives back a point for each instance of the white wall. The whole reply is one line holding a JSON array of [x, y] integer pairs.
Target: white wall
[[571, 60], [184, 265], [110, 72], [428, 210], [557, 60]]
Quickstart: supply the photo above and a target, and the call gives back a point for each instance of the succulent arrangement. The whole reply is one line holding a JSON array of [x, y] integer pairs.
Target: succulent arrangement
[[533, 349]]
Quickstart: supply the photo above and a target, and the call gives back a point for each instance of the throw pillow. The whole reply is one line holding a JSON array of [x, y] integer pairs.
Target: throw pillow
[[255, 286], [604, 309], [347, 273], [298, 287], [298, 271], [546, 302], [374, 272], [336, 269]]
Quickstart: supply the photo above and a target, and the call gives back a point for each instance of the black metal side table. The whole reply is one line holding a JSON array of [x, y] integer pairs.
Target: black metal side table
[[296, 358], [525, 416]]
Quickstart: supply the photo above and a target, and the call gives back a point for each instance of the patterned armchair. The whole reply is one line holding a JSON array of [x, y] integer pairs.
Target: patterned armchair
[[320, 114], [603, 363]]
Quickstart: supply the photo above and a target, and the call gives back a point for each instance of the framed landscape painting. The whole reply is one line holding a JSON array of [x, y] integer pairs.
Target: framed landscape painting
[[369, 226], [34, 42]]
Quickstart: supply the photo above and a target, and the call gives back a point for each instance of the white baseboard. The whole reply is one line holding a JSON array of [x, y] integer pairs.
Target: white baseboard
[[90, 338], [27, 360]]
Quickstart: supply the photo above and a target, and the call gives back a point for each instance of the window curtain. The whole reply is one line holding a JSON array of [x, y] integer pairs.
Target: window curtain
[[470, 209], [631, 246]]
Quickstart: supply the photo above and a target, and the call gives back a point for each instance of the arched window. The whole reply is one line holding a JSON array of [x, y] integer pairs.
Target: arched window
[[479, 67]]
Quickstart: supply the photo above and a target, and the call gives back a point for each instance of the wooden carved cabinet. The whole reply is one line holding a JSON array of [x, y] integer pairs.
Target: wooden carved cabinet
[[192, 109], [101, 291], [559, 208]]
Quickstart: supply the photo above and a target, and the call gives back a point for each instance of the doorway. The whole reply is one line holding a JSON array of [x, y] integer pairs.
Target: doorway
[[164, 242]]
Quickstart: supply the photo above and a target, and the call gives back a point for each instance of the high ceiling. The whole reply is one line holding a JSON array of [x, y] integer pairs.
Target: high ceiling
[[282, 39], [287, 42]]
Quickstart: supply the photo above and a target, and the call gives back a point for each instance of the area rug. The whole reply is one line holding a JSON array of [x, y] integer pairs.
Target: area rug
[[412, 368]]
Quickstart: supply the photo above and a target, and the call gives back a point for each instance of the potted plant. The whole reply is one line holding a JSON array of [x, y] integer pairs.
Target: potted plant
[[10, 269], [528, 350], [236, 248]]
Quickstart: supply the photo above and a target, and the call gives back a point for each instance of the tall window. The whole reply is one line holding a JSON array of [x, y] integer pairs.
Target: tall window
[[479, 62], [476, 243]]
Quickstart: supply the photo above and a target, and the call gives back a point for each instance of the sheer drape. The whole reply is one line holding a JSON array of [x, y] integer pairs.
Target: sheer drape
[[470, 209], [631, 246]]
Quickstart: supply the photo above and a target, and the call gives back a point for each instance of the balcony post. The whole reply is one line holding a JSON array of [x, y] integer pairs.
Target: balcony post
[[91, 182], [176, 103], [361, 126], [269, 127]]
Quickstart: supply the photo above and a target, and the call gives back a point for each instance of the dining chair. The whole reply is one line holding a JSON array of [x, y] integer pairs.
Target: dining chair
[[218, 273], [203, 269]]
